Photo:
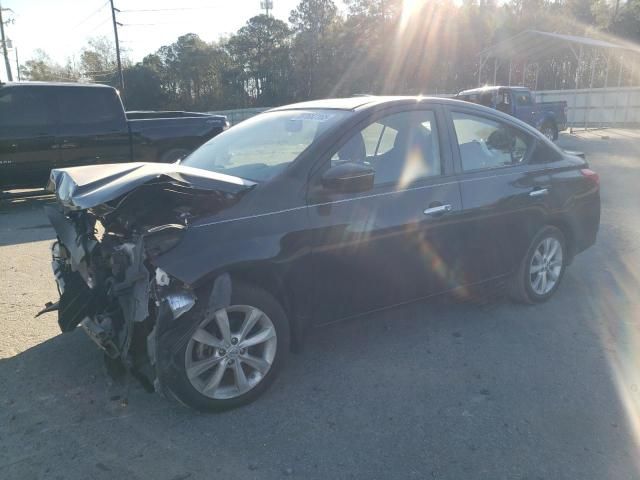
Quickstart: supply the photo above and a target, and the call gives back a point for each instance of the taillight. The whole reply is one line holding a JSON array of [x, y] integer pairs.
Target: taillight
[[590, 175]]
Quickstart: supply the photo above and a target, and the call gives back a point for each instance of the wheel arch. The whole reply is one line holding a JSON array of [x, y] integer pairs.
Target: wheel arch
[[550, 121], [165, 149], [273, 282], [567, 230]]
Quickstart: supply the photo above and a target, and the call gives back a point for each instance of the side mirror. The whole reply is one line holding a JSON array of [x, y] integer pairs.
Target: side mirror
[[349, 177]]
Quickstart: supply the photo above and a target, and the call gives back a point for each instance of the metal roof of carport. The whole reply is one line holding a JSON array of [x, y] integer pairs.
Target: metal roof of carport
[[535, 45], [531, 46]]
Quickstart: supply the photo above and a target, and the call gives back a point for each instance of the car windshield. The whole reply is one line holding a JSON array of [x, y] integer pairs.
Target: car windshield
[[261, 147]]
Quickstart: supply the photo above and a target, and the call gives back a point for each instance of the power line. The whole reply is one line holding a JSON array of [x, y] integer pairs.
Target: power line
[[90, 29], [101, 24], [92, 14], [151, 24], [101, 72], [176, 9]]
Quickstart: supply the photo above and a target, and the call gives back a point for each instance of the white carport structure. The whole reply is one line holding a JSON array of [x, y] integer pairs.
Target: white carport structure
[[532, 47]]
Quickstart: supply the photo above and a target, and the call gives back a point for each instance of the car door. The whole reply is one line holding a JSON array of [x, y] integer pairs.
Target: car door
[[505, 194], [28, 147], [398, 241], [93, 127]]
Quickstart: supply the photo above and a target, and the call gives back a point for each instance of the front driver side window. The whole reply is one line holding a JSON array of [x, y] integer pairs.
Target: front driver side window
[[402, 148], [487, 143]]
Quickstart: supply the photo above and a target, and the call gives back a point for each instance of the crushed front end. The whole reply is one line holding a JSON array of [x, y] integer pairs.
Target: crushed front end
[[103, 263]]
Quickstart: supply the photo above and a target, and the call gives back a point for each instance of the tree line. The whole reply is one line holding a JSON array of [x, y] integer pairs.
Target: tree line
[[370, 47]]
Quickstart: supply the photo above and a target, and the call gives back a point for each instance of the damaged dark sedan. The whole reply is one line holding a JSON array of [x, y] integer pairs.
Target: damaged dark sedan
[[199, 277]]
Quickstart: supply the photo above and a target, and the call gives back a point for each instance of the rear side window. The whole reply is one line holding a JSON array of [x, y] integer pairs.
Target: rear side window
[[378, 139], [486, 143], [87, 106], [523, 99], [23, 107], [544, 153], [486, 99], [482, 98]]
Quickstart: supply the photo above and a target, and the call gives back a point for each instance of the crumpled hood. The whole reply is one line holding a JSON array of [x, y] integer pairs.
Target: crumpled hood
[[79, 188]]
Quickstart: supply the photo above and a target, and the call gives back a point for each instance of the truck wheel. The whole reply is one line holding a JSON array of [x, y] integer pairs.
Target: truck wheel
[[550, 131], [174, 154]]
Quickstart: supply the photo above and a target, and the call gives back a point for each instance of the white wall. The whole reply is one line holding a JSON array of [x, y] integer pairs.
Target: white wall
[[240, 114], [598, 106]]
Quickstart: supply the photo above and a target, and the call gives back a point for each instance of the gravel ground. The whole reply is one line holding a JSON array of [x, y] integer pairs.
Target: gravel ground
[[432, 390]]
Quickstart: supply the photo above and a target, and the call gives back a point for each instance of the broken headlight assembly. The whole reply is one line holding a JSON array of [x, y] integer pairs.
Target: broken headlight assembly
[[159, 240]]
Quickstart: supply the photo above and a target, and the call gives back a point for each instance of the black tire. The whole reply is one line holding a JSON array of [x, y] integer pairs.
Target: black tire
[[550, 130], [174, 154], [176, 383], [521, 287]]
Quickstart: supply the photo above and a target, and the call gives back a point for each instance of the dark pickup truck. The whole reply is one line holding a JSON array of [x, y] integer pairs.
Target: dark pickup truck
[[548, 117], [54, 125]]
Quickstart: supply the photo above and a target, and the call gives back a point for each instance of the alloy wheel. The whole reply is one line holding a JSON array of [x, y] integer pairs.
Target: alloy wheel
[[546, 266], [230, 352], [549, 133]]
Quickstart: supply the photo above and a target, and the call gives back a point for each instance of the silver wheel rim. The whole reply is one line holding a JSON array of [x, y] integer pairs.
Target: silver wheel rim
[[230, 352], [546, 266], [548, 132]]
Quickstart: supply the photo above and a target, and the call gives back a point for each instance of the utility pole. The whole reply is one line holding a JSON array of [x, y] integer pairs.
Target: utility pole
[[17, 64], [115, 33], [266, 5], [4, 48]]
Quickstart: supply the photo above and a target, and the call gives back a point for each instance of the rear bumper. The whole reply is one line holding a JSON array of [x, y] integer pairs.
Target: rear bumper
[[586, 224]]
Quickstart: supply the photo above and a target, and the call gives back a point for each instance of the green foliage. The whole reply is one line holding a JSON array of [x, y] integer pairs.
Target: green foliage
[[374, 46], [42, 68], [98, 59], [261, 52]]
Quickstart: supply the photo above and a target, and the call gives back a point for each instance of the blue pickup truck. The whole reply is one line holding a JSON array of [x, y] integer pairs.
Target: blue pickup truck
[[548, 117]]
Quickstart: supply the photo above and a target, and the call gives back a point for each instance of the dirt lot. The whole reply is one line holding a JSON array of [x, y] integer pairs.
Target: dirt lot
[[432, 390]]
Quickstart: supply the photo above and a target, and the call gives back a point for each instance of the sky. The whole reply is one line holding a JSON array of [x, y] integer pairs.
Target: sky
[[62, 27]]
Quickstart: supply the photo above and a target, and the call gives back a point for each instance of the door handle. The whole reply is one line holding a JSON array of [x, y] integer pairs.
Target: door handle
[[539, 192], [439, 210]]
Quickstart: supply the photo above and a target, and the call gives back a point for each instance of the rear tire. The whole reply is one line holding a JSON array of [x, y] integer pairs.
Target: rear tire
[[550, 131], [542, 268], [242, 369]]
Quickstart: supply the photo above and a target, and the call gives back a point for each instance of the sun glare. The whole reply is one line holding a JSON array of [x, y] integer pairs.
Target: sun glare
[[409, 8]]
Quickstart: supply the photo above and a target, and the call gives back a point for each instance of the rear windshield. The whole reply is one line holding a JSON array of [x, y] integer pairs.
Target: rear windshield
[[89, 106], [261, 147], [23, 107]]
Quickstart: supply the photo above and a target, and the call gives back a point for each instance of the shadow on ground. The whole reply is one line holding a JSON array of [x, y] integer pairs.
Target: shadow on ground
[[438, 390], [24, 221], [416, 391]]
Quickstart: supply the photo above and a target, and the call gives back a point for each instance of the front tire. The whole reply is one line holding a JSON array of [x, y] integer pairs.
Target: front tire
[[542, 268], [233, 354]]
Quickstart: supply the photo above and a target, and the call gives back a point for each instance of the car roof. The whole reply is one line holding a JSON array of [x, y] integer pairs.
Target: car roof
[[54, 84], [362, 102], [490, 89]]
